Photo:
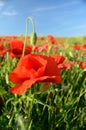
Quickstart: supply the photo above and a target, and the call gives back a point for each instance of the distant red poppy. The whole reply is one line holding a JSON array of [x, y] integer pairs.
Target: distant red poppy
[[51, 39], [84, 46], [66, 65], [50, 36], [34, 68], [38, 48], [77, 47], [81, 64], [41, 38], [54, 48], [1, 47], [41, 48], [69, 64], [2, 50], [45, 46]]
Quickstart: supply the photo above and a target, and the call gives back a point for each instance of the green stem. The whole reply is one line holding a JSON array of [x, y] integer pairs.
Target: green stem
[[33, 24], [25, 41]]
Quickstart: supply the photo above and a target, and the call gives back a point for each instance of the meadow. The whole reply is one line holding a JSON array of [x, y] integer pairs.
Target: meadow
[[42, 82], [42, 85]]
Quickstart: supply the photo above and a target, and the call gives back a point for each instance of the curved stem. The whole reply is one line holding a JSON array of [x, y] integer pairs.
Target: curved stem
[[33, 24], [25, 41]]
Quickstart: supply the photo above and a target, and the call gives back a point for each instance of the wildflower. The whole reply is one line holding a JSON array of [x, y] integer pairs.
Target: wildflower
[[34, 68], [42, 38], [41, 48], [77, 47], [54, 48], [50, 36], [2, 50], [16, 48], [84, 46], [51, 39], [66, 65], [81, 64]]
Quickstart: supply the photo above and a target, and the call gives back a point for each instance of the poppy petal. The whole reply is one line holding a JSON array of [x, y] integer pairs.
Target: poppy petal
[[22, 87]]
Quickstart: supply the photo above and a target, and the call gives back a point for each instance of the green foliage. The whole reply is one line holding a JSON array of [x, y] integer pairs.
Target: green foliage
[[58, 107]]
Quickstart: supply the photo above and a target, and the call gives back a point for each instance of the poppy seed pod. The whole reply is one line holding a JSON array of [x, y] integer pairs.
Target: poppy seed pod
[[33, 38]]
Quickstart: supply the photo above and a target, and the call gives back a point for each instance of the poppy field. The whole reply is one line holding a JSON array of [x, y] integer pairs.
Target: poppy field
[[42, 83]]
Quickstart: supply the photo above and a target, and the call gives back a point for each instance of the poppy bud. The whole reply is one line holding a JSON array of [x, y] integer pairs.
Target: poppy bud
[[33, 38]]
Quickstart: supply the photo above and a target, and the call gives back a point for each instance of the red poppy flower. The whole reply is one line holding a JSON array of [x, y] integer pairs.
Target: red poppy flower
[[1, 47], [69, 64], [2, 50], [37, 48], [54, 48], [32, 69], [50, 36], [84, 46], [66, 65], [41, 38], [16, 47], [41, 48], [81, 64], [45, 46], [52, 39], [77, 47]]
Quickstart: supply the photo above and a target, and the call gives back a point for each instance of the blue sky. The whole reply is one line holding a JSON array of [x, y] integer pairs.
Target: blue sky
[[56, 17]]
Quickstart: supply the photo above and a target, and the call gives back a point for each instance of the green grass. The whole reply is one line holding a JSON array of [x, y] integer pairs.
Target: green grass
[[56, 108]]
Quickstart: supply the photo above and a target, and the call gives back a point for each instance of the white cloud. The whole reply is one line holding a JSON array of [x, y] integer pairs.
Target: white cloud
[[9, 13]]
